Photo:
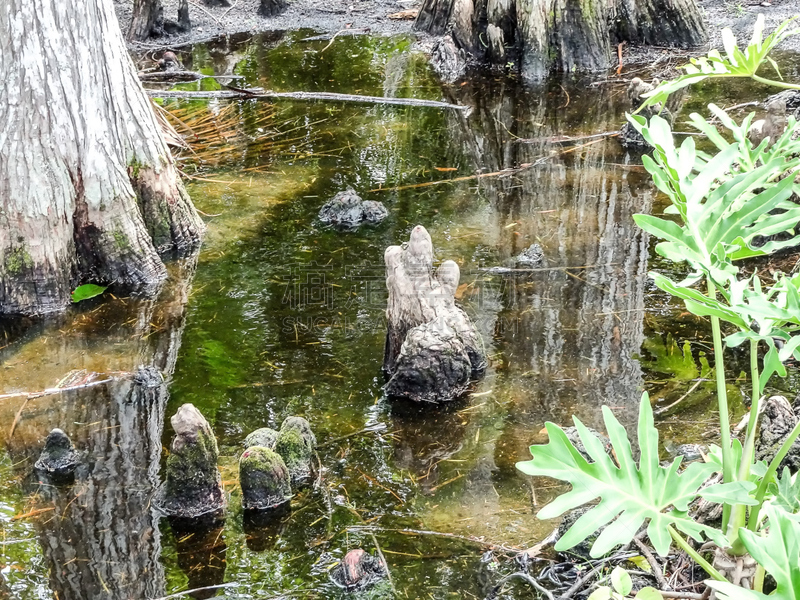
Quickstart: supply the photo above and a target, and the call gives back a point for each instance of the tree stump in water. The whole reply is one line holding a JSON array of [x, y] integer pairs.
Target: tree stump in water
[[264, 479], [59, 457], [540, 36], [432, 347], [194, 486]]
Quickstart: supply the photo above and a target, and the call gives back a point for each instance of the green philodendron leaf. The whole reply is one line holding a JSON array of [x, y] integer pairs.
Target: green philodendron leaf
[[86, 291], [787, 495], [735, 63], [630, 494], [648, 593], [777, 552]]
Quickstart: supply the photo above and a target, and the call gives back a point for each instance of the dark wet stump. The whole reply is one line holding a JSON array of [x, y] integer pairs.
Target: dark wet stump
[[264, 479], [295, 445], [272, 8], [59, 458], [193, 487], [358, 570], [347, 210]]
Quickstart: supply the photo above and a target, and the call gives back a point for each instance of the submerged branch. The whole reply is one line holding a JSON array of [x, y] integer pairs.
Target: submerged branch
[[256, 93]]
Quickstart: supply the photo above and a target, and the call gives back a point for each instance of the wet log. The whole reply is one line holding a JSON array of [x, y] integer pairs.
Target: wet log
[[326, 96], [432, 348]]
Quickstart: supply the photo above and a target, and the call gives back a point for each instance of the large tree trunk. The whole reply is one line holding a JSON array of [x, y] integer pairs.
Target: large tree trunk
[[88, 188], [541, 36]]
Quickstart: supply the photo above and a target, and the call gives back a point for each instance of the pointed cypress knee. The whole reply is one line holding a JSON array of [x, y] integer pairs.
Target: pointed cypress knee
[[193, 487]]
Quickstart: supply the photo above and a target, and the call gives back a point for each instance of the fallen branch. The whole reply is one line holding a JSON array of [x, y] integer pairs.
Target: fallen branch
[[181, 76], [329, 96]]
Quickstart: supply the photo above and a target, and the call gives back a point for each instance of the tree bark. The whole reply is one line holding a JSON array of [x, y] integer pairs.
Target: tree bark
[[540, 36], [146, 15], [272, 8], [88, 188]]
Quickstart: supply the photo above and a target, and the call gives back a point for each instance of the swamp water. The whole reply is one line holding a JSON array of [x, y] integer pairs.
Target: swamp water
[[279, 316]]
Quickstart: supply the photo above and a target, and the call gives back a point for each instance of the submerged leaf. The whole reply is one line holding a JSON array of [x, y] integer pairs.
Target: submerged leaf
[[86, 291]]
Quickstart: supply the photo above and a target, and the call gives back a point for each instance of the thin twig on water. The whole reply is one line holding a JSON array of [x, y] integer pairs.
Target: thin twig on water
[[681, 399], [525, 577]]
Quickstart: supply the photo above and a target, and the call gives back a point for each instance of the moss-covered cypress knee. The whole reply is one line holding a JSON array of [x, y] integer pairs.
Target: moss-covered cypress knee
[[296, 444], [264, 479], [264, 437], [303, 427], [193, 487]]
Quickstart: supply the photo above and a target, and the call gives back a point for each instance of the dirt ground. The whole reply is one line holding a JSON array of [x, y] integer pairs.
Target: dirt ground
[[324, 16], [330, 16]]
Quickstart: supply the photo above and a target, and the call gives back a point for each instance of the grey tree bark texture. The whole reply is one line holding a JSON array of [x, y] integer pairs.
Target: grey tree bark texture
[[89, 191], [541, 36]]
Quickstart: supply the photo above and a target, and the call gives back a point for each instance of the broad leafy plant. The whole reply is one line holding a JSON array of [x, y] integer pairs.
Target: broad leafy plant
[[724, 207], [734, 63]]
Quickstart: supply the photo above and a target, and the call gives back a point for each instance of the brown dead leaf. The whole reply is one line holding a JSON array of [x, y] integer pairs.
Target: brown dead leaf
[[460, 290], [445, 169]]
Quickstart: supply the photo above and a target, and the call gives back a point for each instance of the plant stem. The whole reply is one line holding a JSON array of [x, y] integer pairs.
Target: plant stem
[[722, 400], [684, 545], [752, 524], [758, 580], [780, 84], [739, 511]]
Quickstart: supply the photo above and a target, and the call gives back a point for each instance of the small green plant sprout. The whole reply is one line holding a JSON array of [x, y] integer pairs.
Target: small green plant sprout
[[621, 586], [86, 291], [734, 63]]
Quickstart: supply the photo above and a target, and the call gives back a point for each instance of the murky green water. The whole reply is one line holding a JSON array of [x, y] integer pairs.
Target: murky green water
[[281, 316]]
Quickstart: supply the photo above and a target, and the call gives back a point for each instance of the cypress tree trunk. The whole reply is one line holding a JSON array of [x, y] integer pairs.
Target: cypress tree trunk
[[146, 15], [88, 188], [541, 36]]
